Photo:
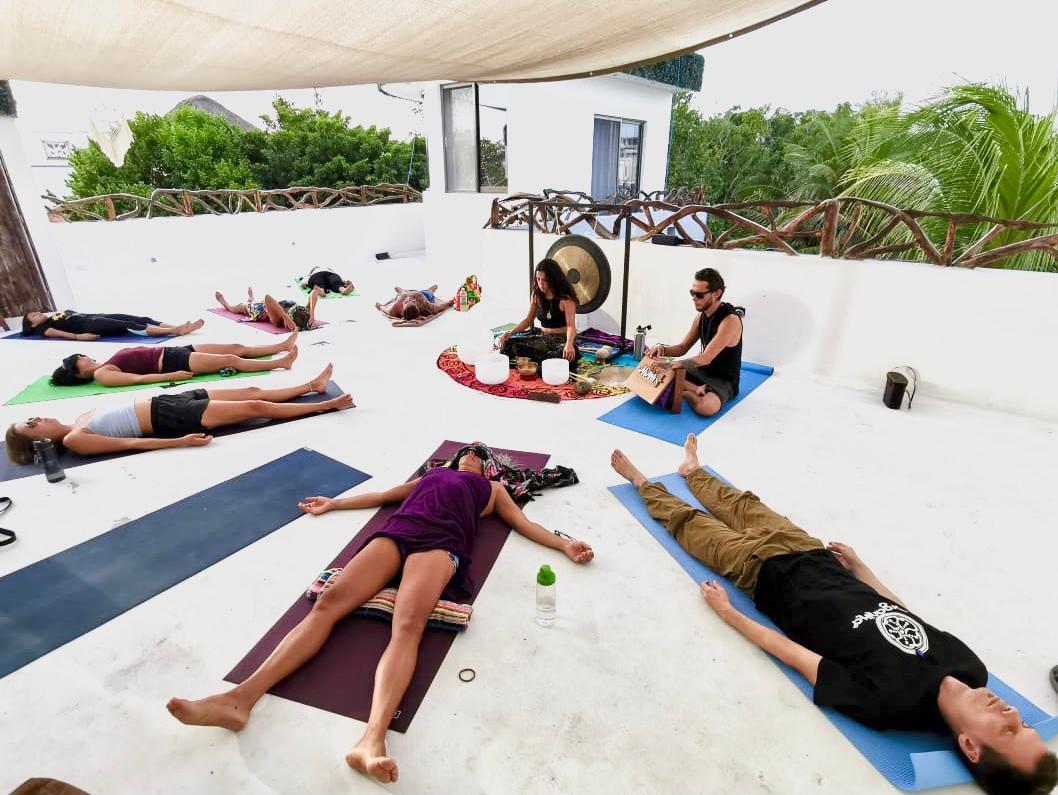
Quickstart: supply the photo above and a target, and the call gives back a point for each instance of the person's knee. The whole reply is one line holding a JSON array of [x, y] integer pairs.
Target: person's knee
[[410, 625], [230, 360]]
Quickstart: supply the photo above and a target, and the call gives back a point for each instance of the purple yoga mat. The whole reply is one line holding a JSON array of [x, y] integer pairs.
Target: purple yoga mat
[[340, 678], [260, 325]]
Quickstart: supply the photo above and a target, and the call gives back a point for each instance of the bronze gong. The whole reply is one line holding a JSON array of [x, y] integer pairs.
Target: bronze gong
[[587, 269]]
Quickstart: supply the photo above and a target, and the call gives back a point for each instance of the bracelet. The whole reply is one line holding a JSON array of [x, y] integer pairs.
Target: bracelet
[[560, 534]]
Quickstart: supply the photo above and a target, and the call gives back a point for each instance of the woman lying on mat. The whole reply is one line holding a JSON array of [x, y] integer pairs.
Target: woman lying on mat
[[552, 302], [70, 325], [412, 304], [426, 544], [145, 364], [328, 281], [285, 314], [181, 420]]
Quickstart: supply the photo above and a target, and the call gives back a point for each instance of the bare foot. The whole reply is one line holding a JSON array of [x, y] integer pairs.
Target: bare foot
[[318, 290], [319, 383], [623, 467], [371, 760], [290, 341], [690, 458], [221, 300], [343, 401], [287, 360], [222, 710], [195, 325]]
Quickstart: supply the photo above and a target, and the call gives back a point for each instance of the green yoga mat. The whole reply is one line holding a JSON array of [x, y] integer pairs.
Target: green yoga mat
[[42, 389], [306, 291]]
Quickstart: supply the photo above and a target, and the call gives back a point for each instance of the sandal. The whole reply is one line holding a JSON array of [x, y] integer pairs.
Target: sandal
[[6, 536]]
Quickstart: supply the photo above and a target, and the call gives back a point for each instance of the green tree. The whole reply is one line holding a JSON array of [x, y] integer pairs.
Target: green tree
[[309, 147], [187, 148]]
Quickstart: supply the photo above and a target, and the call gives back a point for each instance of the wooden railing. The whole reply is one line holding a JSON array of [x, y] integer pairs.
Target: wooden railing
[[166, 202], [842, 228]]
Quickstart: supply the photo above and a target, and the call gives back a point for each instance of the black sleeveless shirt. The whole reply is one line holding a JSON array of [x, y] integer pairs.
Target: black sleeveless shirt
[[549, 313], [728, 362]]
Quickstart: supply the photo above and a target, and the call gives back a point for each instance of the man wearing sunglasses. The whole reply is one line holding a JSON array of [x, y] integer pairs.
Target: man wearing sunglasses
[[712, 375]]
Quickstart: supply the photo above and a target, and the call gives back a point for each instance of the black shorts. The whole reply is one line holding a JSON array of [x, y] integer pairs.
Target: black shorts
[[173, 416], [329, 281], [176, 358], [720, 387]]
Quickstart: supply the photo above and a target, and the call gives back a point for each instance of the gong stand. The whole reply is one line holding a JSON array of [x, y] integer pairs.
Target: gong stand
[[616, 209]]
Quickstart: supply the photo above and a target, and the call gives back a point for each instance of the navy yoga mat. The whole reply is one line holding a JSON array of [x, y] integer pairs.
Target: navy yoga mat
[[136, 338], [11, 471], [636, 414], [910, 760], [58, 599], [340, 678]]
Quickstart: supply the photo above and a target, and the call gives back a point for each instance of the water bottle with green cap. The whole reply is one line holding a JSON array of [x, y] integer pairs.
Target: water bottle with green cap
[[545, 596]]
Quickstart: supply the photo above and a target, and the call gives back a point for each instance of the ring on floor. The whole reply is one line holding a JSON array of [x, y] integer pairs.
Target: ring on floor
[[472, 675]]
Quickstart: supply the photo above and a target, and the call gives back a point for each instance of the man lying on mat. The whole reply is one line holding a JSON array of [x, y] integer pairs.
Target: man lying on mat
[[427, 545], [284, 314], [147, 364], [412, 304], [855, 642], [328, 281], [181, 420], [712, 375], [553, 302], [70, 325]]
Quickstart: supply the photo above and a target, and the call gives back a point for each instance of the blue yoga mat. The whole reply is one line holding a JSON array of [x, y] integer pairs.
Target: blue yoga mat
[[58, 599], [909, 760], [136, 338], [636, 414]]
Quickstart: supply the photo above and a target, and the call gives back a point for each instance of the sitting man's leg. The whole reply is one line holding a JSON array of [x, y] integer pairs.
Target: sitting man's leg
[[741, 510], [704, 394]]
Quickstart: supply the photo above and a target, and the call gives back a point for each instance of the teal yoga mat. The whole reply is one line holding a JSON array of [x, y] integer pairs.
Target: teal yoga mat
[[636, 414], [53, 601], [909, 760]]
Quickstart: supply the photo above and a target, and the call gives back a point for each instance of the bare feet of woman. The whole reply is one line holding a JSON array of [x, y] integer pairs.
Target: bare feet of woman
[[623, 467], [319, 383], [690, 457], [222, 710], [188, 327], [287, 359], [371, 760], [344, 401], [291, 341], [222, 300]]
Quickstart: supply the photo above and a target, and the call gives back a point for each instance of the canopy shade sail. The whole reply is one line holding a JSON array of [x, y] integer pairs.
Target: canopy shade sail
[[220, 45]]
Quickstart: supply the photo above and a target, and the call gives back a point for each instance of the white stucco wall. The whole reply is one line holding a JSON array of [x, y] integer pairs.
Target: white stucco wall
[[28, 194], [218, 249], [976, 336], [550, 137]]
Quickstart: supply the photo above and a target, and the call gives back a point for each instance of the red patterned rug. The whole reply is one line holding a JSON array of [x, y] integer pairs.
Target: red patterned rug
[[450, 363]]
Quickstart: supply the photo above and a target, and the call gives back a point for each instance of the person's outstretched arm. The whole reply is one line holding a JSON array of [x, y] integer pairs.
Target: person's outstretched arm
[[508, 511], [848, 558], [679, 348], [110, 377], [373, 499], [804, 661], [88, 443], [69, 335]]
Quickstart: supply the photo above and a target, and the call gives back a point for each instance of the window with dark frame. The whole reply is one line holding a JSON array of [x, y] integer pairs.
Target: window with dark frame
[[475, 140], [616, 159]]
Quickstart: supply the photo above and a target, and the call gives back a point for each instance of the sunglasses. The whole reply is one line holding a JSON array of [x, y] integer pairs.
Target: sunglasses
[[698, 294], [32, 422], [6, 536]]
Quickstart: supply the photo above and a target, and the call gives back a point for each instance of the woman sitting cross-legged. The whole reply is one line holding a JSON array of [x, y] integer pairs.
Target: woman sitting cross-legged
[[552, 302], [284, 314], [149, 365], [181, 420], [427, 544]]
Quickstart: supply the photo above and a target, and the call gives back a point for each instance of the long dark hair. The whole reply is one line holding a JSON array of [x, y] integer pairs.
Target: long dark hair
[[66, 374], [556, 278]]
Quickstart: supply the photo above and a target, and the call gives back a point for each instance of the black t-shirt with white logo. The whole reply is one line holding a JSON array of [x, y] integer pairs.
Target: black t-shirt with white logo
[[882, 665]]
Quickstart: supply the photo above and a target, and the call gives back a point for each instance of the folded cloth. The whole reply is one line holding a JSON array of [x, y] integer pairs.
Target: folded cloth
[[449, 616]]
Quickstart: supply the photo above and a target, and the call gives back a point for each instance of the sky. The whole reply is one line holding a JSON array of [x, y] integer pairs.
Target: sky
[[841, 50]]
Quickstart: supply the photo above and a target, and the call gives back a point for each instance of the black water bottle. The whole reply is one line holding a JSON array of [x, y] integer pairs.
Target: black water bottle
[[49, 457]]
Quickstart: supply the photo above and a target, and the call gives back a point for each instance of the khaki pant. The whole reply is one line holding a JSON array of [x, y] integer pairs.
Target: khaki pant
[[737, 538]]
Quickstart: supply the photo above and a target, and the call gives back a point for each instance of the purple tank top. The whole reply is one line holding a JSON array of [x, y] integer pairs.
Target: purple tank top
[[142, 360], [443, 511]]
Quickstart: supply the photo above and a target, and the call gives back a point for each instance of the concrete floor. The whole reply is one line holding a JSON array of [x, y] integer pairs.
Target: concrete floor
[[637, 688]]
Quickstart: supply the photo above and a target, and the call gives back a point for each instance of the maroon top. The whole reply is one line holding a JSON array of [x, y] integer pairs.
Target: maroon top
[[143, 360], [442, 512]]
